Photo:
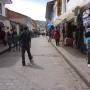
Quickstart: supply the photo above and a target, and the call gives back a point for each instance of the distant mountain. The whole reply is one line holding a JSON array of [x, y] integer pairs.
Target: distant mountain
[[41, 25]]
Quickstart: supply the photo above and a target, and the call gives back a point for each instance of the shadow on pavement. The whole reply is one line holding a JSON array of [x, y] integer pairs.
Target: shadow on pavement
[[9, 59], [35, 66]]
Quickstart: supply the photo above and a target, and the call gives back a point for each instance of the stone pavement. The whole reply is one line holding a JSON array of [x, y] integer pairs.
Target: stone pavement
[[50, 71], [76, 59], [3, 48]]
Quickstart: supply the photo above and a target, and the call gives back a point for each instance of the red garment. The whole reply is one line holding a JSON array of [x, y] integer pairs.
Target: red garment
[[56, 35]]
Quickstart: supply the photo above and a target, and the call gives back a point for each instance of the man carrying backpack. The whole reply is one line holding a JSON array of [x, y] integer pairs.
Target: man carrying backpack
[[25, 40]]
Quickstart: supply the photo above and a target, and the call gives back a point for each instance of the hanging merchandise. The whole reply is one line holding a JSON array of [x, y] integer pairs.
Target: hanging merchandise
[[86, 22], [50, 26]]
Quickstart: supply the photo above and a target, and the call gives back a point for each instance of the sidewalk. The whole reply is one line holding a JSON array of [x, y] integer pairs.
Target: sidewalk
[[76, 59], [3, 49]]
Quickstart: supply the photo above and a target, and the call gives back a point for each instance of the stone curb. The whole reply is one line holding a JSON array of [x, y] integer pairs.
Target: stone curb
[[4, 51], [74, 67]]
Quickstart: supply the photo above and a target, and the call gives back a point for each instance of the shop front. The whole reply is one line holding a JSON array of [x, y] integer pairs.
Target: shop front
[[74, 30], [2, 34], [67, 28], [3, 37], [83, 19]]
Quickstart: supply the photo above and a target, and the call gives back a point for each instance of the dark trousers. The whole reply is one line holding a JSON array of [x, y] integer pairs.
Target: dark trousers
[[88, 55], [9, 47], [57, 42], [23, 54]]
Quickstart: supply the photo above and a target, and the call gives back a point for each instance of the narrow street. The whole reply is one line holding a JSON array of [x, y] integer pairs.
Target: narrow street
[[50, 71]]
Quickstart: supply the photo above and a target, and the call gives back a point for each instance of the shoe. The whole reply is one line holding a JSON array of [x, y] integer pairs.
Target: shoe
[[32, 62], [88, 65], [31, 58], [23, 64]]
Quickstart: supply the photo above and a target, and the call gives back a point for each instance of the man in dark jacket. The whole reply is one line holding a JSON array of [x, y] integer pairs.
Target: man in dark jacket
[[25, 40]]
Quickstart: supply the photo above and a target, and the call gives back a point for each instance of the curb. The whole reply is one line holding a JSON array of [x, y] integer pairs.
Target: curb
[[4, 51], [85, 80]]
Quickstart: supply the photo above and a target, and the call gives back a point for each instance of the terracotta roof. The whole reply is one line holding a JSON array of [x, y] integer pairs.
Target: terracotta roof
[[16, 17], [12, 14], [19, 18]]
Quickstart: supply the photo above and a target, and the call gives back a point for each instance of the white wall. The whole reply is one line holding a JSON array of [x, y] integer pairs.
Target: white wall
[[7, 24], [18, 29], [63, 6], [55, 16], [73, 3], [29, 23], [3, 9]]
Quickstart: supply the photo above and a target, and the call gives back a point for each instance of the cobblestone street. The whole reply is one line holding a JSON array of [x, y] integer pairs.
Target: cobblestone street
[[50, 71]]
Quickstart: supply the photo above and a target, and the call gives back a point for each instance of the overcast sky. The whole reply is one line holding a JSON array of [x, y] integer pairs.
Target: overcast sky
[[34, 8]]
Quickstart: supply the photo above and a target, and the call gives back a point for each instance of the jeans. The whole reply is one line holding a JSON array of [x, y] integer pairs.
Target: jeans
[[88, 55]]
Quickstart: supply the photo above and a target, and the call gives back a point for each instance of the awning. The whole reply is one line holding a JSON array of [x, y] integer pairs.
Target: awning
[[56, 22], [66, 16]]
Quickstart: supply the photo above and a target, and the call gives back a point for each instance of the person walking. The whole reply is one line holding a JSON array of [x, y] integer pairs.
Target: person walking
[[9, 40], [25, 40], [57, 36], [88, 50], [50, 29], [86, 24], [14, 39]]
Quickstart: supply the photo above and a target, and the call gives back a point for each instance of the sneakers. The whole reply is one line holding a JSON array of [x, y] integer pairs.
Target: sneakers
[[31, 58], [88, 65], [32, 62], [23, 63]]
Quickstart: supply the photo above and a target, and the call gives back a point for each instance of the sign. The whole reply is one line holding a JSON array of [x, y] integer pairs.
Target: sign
[[86, 20]]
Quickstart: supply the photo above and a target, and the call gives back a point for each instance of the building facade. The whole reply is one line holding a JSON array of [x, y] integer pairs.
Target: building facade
[[66, 8], [4, 24], [67, 14], [49, 12]]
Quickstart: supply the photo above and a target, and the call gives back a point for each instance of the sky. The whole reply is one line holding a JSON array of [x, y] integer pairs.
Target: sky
[[33, 8]]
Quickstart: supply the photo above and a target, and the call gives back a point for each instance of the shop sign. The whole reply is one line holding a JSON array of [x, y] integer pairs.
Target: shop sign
[[86, 20]]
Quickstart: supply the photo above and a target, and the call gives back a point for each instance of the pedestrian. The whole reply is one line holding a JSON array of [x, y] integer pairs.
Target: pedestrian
[[50, 33], [87, 40], [57, 36], [86, 24], [25, 40], [3, 35], [9, 40], [14, 38]]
